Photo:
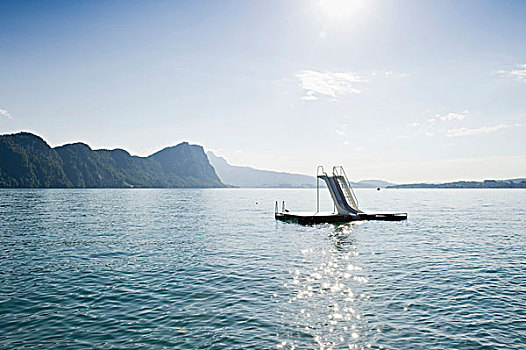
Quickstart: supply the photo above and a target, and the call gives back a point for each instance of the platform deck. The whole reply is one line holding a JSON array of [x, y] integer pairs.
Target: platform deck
[[318, 218]]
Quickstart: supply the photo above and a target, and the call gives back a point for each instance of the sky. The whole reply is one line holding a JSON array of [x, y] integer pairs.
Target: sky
[[404, 91]]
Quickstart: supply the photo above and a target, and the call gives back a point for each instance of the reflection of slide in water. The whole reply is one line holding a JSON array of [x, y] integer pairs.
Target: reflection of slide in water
[[345, 203]]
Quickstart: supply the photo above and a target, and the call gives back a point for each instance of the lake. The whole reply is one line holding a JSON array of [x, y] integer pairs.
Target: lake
[[212, 269]]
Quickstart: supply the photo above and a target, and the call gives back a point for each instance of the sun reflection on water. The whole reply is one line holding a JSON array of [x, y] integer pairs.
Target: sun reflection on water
[[326, 295]]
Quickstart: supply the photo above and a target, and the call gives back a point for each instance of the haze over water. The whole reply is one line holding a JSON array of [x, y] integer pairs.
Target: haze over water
[[212, 269]]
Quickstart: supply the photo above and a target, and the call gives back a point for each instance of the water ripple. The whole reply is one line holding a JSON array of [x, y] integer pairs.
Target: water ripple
[[151, 269]]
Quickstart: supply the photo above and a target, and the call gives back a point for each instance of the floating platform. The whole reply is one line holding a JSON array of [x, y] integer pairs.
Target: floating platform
[[320, 218], [345, 203]]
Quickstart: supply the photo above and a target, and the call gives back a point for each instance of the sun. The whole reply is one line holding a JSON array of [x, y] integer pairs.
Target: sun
[[341, 9]]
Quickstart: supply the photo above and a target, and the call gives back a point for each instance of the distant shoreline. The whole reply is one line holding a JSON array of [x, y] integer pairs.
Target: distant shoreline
[[512, 183]]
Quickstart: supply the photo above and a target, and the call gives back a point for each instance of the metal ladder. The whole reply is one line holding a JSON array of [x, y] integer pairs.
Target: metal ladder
[[341, 177]]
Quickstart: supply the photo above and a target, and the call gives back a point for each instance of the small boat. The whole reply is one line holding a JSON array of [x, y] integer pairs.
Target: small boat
[[345, 203]]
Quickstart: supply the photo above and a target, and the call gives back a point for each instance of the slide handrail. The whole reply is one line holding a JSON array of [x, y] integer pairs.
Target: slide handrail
[[339, 171]]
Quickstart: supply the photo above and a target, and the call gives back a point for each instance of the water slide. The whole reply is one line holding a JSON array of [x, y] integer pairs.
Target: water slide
[[337, 193]]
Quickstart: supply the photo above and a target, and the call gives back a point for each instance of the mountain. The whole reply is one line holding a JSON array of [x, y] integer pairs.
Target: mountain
[[371, 184], [26, 160], [85, 167], [242, 176], [511, 183], [192, 166]]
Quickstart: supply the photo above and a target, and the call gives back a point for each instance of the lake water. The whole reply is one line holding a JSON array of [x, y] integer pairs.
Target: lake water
[[212, 269]]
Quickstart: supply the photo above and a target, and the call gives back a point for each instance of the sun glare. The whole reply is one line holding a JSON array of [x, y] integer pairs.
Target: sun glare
[[341, 9]]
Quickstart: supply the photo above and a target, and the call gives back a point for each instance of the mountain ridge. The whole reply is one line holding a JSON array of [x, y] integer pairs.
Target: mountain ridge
[[508, 183], [244, 176], [27, 161]]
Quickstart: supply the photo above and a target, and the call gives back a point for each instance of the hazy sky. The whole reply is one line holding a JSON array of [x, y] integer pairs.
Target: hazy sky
[[404, 91]]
